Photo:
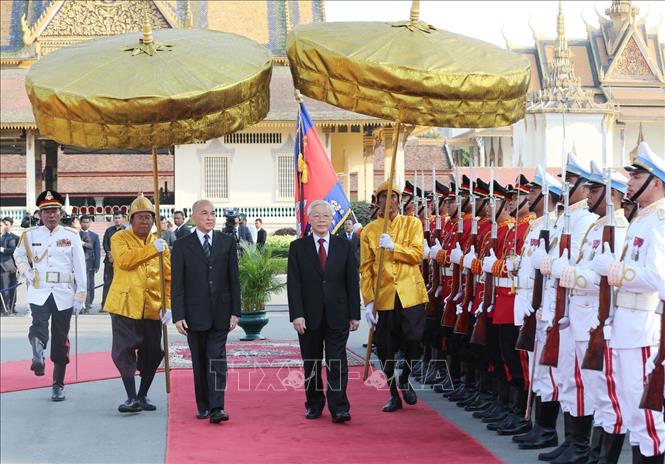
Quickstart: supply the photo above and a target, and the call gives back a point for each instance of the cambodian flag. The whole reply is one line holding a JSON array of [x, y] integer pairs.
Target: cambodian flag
[[315, 177]]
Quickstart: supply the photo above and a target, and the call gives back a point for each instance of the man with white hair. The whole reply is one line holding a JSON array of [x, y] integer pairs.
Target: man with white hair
[[324, 305]]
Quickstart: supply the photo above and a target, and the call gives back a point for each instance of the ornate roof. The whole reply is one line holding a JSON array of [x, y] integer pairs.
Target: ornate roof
[[31, 28], [619, 60]]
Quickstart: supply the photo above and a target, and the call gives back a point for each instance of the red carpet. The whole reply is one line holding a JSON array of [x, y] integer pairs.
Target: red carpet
[[268, 426], [16, 375]]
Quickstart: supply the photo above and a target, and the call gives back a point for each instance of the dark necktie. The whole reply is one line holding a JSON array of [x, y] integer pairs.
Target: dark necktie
[[322, 253], [206, 245]]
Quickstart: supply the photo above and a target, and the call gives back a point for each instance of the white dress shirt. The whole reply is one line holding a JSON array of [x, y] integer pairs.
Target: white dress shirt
[[202, 234], [325, 244]]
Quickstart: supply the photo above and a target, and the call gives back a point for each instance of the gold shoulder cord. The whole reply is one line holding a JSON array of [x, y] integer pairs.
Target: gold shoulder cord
[[580, 254], [28, 254]]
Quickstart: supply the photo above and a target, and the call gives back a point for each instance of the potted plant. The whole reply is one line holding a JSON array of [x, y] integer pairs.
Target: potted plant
[[258, 280]]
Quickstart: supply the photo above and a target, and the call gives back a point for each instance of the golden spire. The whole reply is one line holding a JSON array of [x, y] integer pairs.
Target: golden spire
[[640, 139], [622, 10]]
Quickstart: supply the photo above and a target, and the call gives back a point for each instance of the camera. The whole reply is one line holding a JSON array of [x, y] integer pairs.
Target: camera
[[230, 214], [29, 221]]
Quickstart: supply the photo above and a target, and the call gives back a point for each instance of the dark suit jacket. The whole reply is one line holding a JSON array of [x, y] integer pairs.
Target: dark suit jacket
[[205, 293], [182, 231], [9, 242], [106, 241], [355, 244], [313, 293], [261, 237], [91, 249], [245, 234]]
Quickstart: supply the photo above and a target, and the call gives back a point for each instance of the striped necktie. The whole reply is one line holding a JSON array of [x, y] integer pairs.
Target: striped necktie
[[206, 245]]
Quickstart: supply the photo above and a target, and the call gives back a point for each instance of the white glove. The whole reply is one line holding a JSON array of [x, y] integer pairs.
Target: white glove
[[456, 254], [595, 322], [539, 255], [602, 263], [438, 291], [488, 262], [435, 250], [78, 306], [385, 241], [159, 245], [425, 249], [458, 309], [559, 264], [607, 329], [546, 266], [370, 317], [512, 263], [469, 257], [564, 322], [651, 363], [166, 318], [478, 310], [29, 275]]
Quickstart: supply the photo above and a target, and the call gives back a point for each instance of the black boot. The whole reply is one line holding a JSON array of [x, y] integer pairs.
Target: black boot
[[407, 390], [568, 439], [501, 412], [518, 424], [637, 456], [578, 450], [445, 384], [611, 447], [393, 404], [652, 459], [545, 436], [536, 428], [37, 356], [596, 445]]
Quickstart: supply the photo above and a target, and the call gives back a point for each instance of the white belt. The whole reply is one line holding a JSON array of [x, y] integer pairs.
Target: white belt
[[525, 282], [54, 277], [578, 292], [640, 301], [503, 282], [447, 272]]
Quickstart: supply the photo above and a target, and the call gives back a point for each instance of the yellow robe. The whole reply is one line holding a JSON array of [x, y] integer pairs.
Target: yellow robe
[[401, 268], [136, 288]]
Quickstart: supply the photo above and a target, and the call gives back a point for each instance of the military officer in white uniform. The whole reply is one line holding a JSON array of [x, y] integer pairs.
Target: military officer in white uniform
[[576, 221], [543, 435], [637, 274], [591, 392], [51, 260]]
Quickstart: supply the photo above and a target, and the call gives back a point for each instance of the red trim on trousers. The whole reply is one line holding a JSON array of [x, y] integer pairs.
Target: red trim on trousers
[[612, 389], [648, 414], [579, 384]]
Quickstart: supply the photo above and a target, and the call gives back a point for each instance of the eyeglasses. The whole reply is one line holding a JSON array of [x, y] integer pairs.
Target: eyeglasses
[[318, 217]]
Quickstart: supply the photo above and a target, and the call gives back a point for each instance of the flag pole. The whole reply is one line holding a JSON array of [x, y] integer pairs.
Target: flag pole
[[386, 224]]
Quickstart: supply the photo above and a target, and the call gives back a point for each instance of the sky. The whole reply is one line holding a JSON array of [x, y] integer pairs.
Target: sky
[[484, 20]]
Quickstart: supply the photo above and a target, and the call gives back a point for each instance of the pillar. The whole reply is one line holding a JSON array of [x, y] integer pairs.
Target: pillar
[[30, 170], [368, 168], [51, 168]]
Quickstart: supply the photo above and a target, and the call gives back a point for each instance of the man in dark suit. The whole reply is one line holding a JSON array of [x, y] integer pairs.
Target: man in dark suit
[[118, 225], [324, 305], [8, 243], [261, 234], [181, 229], [205, 303], [351, 236], [92, 250]]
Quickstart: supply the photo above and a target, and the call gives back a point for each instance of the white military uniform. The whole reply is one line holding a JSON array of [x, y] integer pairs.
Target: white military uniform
[[567, 384], [636, 325], [591, 392], [58, 264]]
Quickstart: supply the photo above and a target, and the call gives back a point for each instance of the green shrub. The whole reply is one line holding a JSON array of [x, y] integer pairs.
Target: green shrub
[[258, 276]]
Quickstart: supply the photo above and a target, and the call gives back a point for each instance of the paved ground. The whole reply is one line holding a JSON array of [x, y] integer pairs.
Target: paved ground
[[87, 428]]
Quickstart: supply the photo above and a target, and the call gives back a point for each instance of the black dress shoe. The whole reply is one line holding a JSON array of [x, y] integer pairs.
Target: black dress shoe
[[202, 414], [519, 426], [506, 421], [131, 405], [408, 394], [312, 414], [393, 404], [217, 416], [145, 404], [341, 417], [58, 393]]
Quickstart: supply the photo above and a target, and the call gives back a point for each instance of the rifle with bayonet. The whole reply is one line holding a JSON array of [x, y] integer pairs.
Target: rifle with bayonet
[[450, 303]]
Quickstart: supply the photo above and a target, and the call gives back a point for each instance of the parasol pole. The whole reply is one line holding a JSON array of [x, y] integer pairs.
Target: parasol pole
[[158, 223], [386, 224]]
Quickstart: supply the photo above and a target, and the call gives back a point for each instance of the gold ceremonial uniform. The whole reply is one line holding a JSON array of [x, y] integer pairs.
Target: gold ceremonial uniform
[[135, 291], [401, 267]]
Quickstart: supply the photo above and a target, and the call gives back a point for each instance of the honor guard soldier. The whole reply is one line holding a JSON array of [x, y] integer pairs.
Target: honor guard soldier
[[51, 259], [543, 434], [577, 428], [400, 303], [637, 273], [134, 302], [591, 391]]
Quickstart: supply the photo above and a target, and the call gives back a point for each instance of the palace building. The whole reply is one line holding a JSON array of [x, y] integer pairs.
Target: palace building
[[610, 82]]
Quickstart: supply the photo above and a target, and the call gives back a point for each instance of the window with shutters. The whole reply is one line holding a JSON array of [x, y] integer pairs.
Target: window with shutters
[[216, 177], [285, 178]]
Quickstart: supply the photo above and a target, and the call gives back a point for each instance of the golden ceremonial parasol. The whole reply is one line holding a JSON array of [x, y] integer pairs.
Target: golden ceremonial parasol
[[410, 73], [163, 88]]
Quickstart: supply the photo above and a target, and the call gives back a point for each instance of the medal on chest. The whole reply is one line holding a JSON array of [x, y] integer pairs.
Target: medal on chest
[[637, 244]]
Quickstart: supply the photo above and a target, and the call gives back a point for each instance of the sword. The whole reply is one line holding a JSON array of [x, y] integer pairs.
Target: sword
[[76, 346]]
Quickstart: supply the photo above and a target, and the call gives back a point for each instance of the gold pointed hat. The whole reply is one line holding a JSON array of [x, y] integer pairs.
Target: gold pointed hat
[[141, 205], [385, 185]]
